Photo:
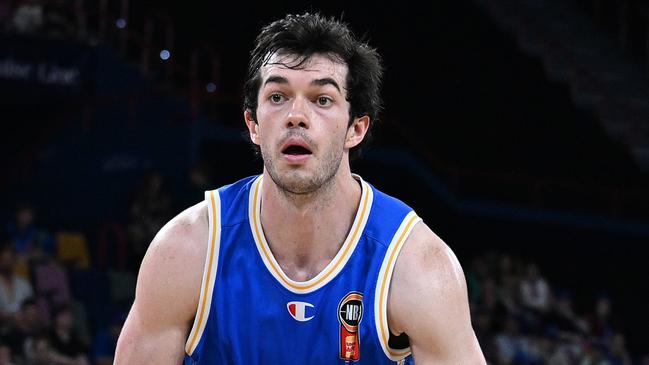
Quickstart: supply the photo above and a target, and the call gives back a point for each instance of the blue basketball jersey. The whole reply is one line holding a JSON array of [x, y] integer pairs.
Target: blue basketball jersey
[[250, 312]]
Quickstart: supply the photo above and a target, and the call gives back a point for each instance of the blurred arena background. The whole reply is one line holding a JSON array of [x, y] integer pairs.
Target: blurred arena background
[[518, 129]]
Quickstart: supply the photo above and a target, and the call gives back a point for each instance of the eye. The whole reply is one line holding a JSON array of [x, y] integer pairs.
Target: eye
[[276, 98], [324, 100]]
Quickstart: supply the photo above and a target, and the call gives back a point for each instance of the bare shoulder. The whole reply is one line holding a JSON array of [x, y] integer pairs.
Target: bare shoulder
[[426, 265], [428, 301], [182, 239], [427, 260], [175, 259], [167, 292]]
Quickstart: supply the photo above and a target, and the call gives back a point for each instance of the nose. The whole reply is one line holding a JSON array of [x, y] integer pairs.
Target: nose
[[298, 115]]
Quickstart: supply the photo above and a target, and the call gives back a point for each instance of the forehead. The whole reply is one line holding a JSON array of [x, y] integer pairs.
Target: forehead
[[318, 66]]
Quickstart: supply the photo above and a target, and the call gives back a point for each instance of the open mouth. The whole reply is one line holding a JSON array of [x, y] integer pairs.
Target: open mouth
[[295, 150]]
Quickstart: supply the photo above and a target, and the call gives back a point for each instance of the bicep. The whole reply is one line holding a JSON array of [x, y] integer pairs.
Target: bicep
[[166, 298], [142, 341], [448, 338], [431, 304]]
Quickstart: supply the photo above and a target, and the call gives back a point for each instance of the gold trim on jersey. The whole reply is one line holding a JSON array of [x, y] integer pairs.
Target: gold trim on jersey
[[209, 271], [383, 286], [336, 264]]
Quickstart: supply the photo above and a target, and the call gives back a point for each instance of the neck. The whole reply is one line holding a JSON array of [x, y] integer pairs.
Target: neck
[[302, 204], [306, 231]]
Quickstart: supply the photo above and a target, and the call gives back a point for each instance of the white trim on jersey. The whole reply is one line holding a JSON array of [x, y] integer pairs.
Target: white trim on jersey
[[338, 262], [383, 286], [209, 270]]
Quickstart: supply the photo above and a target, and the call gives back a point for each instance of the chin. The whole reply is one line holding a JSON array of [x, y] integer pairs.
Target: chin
[[302, 178], [297, 182]]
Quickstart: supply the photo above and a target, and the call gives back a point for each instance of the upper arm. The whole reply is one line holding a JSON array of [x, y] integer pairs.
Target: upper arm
[[167, 293], [428, 301]]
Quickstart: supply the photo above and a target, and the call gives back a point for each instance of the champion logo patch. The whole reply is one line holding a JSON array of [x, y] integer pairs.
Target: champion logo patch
[[300, 311]]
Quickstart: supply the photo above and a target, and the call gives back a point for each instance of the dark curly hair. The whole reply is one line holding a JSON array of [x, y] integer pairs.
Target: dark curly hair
[[307, 34]]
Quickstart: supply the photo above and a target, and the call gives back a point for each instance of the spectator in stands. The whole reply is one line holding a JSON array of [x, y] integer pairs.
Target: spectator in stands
[[508, 293], [39, 352], [549, 334], [618, 354], [535, 291], [556, 353], [5, 354], [600, 321], [564, 317], [51, 284], [28, 325], [26, 238], [150, 210], [489, 298], [66, 345], [28, 17], [511, 346], [14, 290], [594, 354], [508, 278]]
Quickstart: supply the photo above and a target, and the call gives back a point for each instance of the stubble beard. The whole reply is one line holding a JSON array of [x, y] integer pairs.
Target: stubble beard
[[298, 181]]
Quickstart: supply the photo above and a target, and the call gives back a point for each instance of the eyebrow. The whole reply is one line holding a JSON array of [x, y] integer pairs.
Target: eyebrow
[[326, 81], [276, 79], [316, 82]]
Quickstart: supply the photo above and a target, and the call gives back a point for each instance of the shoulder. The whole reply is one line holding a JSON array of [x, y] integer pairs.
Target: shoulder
[[167, 292], [186, 232], [427, 275], [174, 262], [428, 301]]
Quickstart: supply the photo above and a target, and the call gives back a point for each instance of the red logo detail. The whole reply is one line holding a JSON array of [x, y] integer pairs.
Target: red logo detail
[[350, 313], [298, 310]]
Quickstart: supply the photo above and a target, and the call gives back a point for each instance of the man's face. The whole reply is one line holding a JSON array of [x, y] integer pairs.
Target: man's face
[[302, 119]]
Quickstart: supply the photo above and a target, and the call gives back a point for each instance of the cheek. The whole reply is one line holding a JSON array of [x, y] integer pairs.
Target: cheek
[[269, 119], [340, 136]]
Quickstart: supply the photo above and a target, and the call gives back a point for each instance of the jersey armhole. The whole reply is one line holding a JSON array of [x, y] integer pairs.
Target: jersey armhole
[[213, 201], [402, 348]]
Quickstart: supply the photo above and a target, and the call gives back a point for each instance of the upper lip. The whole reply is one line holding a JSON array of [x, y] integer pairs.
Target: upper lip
[[295, 141]]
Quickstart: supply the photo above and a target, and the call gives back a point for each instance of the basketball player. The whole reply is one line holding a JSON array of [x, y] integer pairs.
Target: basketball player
[[306, 263]]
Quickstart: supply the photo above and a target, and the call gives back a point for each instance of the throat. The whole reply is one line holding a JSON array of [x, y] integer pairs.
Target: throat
[[305, 238]]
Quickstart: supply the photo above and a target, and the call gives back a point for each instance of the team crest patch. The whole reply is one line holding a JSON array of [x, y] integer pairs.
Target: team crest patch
[[350, 313]]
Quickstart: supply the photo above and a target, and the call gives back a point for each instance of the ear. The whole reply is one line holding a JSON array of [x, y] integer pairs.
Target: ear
[[252, 125], [356, 132]]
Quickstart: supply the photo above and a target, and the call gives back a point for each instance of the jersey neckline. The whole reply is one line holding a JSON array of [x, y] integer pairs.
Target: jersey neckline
[[335, 265]]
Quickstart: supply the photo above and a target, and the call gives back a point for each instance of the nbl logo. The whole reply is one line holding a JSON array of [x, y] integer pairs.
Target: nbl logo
[[350, 313]]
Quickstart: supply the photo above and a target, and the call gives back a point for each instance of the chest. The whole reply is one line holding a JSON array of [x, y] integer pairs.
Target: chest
[[333, 319]]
